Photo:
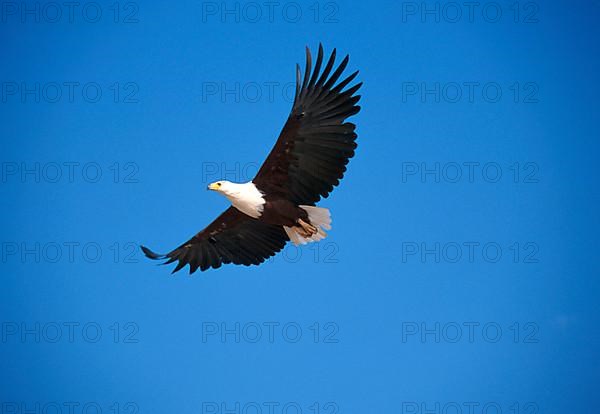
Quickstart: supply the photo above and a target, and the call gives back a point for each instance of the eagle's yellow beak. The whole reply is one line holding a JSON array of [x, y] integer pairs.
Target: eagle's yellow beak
[[213, 186]]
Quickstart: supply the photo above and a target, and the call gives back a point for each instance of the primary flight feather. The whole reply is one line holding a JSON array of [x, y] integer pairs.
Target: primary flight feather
[[307, 161]]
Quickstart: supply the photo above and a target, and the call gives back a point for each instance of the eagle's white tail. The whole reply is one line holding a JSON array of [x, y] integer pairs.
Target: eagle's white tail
[[319, 217]]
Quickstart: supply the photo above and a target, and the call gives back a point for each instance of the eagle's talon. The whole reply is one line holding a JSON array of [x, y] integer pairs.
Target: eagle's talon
[[308, 230]]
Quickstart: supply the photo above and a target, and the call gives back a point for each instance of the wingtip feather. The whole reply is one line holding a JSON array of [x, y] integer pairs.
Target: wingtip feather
[[152, 255]]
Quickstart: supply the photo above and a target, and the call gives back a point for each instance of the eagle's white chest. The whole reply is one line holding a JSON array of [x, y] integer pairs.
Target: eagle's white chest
[[246, 198]]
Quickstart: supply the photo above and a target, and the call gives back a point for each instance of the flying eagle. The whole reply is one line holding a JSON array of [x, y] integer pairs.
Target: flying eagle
[[307, 161]]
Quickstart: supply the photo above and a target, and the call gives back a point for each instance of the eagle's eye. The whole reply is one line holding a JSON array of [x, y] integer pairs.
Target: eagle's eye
[[218, 184]]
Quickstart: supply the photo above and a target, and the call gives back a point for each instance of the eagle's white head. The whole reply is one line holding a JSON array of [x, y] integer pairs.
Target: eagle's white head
[[244, 196], [223, 187]]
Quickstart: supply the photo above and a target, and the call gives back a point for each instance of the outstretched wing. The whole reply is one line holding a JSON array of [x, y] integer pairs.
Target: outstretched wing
[[311, 153], [233, 237]]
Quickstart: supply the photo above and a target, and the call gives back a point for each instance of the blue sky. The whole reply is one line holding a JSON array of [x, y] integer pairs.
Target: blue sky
[[461, 269]]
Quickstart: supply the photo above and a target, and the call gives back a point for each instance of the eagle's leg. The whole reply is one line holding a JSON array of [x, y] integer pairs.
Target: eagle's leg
[[307, 228]]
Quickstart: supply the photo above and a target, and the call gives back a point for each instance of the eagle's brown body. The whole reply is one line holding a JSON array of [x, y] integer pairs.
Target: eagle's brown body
[[282, 212]]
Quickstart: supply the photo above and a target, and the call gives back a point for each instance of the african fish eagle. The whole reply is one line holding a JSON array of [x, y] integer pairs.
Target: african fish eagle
[[307, 161]]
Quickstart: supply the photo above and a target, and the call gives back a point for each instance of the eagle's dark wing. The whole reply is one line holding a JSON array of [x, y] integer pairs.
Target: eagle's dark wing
[[233, 237], [311, 153]]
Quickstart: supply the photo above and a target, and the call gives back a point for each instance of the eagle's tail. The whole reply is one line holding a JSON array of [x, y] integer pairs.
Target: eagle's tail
[[319, 219]]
